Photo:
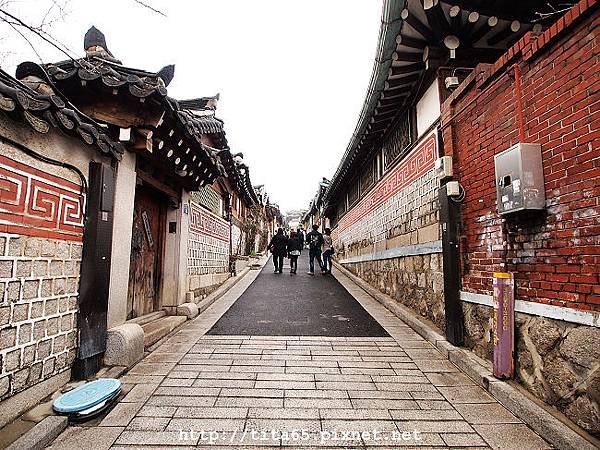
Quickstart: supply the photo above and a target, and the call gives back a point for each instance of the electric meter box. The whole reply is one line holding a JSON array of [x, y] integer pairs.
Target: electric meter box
[[520, 179], [443, 167]]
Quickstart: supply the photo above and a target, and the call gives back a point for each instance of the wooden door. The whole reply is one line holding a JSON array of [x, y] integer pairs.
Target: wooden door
[[149, 215]]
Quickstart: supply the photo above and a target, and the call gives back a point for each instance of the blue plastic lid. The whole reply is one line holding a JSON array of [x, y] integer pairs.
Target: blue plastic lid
[[87, 395]]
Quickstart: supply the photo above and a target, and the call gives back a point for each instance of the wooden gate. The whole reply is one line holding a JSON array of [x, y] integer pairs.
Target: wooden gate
[[147, 239]]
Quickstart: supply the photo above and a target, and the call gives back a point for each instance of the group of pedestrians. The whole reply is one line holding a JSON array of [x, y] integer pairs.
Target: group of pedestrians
[[320, 248]]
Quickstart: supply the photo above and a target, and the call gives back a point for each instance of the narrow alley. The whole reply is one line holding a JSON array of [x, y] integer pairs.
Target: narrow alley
[[300, 361], [318, 224]]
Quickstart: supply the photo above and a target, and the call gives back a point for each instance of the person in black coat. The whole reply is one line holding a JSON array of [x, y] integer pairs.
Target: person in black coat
[[300, 237], [315, 242], [278, 247], [294, 247]]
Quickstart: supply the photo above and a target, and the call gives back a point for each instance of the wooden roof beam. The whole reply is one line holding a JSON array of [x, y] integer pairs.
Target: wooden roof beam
[[377, 127], [409, 68], [436, 17], [483, 30], [514, 27], [469, 26], [392, 101], [503, 9], [400, 82], [385, 108], [417, 25], [455, 18], [402, 91], [410, 42], [407, 56], [380, 117]]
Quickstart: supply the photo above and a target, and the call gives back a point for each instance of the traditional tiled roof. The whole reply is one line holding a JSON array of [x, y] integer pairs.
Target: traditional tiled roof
[[34, 101], [173, 132], [239, 176], [200, 104], [94, 69], [416, 36], [201, 123]]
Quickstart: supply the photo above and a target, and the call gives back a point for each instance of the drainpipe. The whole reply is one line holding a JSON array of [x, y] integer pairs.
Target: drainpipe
[[519, 96]]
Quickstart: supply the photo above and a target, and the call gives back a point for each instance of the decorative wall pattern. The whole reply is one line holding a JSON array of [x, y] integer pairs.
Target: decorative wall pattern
[[411, 185], [208, 244], [36, 203], [204, 222]]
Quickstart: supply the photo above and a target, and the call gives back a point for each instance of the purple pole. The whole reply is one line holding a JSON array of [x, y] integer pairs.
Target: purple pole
[[504, 325]]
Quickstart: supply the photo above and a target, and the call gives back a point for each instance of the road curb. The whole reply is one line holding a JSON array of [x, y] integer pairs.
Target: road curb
[[542, 421], [41, 435], [210, 299], [230, 283]]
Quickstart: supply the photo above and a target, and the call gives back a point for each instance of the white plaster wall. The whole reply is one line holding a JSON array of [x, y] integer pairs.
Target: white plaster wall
[[174, 274], [121, 246], [183, 228], [428, 108], [54, 144]]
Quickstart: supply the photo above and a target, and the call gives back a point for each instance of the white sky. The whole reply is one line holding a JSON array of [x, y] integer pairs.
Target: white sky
[[292, 74]]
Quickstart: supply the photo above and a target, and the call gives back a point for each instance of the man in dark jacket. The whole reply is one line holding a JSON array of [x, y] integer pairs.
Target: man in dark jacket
[[300, 237], [315, 242], [278, 247], [293, 251]]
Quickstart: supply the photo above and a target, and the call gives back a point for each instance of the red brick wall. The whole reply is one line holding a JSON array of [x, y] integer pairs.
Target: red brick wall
[[555, 255]]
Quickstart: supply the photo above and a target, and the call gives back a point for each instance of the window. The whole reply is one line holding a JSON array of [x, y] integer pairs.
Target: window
[[353, 193], [397, 141], [209, 198], [368, 175], [379, 165]]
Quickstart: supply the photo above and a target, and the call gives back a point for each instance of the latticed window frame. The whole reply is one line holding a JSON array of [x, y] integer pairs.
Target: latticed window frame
[[209, 198], [367, 179], [354, 192], [397, 141]]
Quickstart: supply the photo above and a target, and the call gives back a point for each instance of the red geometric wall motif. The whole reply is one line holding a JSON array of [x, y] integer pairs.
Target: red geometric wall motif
[[204, 222], [36, 203], [417, 163]]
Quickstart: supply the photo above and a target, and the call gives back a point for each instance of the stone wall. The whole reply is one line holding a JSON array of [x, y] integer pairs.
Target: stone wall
[[41, 230], [39, 281], [391, 237], [557, 361], [415, 281]]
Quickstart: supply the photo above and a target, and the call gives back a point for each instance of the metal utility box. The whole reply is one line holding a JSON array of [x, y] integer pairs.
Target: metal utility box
[[520, 179]]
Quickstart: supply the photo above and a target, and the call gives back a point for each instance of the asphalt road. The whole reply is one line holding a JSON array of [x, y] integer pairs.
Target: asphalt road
[[296, 305]]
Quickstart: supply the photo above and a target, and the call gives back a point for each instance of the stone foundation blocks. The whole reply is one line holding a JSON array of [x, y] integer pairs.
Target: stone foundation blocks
[[190, 310], [124, 345]]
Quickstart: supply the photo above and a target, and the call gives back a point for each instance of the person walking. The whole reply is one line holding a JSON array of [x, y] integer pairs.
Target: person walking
[[327, 251], [315, 242], [293, 251], [300, 237], [278, 247]]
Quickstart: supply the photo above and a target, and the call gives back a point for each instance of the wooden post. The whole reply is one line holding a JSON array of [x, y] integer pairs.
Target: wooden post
[[449, 217], [95, 271]]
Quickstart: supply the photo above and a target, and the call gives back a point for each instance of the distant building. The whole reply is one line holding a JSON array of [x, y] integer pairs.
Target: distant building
[[314, 213]]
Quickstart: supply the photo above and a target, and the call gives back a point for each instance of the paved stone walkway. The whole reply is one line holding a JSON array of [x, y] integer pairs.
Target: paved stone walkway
[[205, 391], [298, 305]]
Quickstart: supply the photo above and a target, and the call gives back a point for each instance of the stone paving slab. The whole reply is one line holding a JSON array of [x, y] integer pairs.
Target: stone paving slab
[[328, 387]]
